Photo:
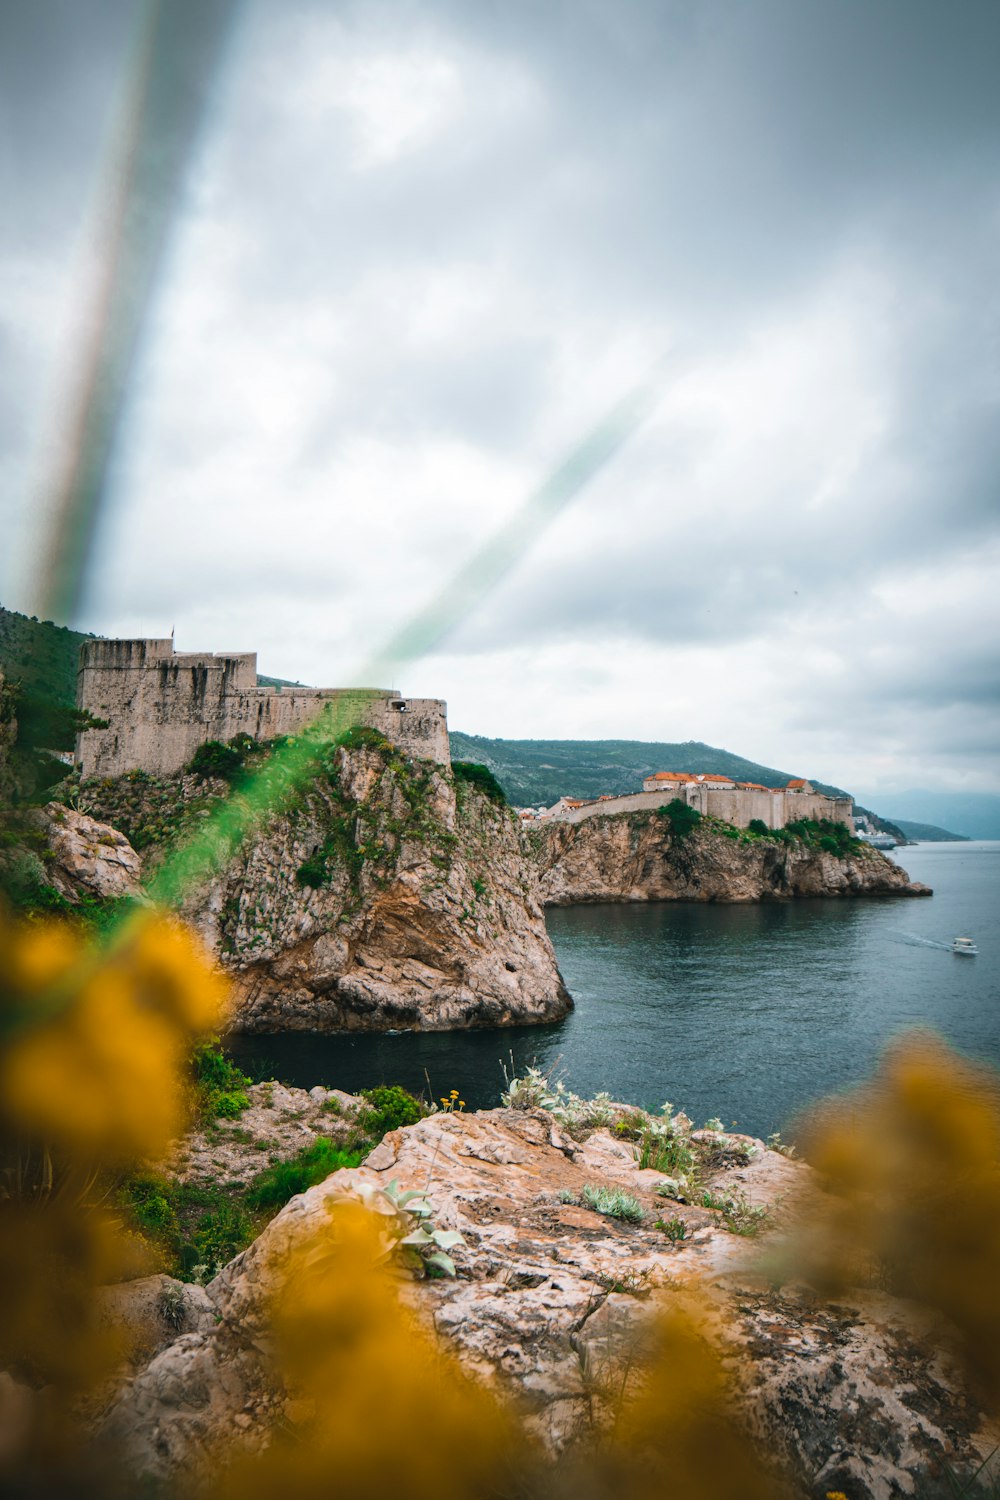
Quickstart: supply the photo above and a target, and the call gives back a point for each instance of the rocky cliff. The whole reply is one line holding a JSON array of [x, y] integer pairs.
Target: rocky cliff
[[638, 857], [386, 895], [552, 1302]]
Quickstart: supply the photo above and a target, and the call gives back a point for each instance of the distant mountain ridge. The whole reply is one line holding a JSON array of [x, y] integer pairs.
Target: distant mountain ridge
[[976, 815], [929, 833], [533, 772]]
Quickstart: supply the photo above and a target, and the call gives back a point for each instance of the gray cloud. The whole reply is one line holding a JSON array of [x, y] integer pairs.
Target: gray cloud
[[593, 180]]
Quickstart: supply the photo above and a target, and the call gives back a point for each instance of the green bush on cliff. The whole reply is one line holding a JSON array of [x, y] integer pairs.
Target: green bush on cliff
[[391, 1107], [823, 833], [338, 848], [220, 1086], [190, 1231], [482, 778], [148, 1201], [683, 819], [361, 737], [213, 758], [217, 1236], [312, 872]]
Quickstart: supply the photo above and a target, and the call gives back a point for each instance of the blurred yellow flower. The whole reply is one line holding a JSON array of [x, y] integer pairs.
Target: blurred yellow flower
[[95, 1063]]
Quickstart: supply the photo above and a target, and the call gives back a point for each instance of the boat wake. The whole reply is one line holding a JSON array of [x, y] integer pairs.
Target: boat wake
[[913, 941]]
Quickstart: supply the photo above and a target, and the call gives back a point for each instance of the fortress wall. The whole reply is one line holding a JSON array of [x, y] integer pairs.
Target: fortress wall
[[161, 705], [816, 805], [636, 802], [736, 807], [740, 808]]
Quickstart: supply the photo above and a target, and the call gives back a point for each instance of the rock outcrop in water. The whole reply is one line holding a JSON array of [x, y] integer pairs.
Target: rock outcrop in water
[[551, 1302], [382, 894], [636, 857], [389, 897]]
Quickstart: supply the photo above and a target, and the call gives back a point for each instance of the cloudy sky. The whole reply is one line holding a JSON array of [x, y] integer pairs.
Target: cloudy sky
[[422, 249]]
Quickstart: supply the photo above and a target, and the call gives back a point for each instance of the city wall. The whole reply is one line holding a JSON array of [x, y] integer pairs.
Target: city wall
[[740, 808], [161, 705]]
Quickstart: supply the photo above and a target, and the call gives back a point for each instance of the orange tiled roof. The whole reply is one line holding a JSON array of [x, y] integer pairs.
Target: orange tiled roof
[[752, 786], [797, 781], [672, 776], [713, 776]]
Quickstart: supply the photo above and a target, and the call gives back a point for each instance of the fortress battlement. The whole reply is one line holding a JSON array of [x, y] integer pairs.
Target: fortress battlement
[[161, 704]]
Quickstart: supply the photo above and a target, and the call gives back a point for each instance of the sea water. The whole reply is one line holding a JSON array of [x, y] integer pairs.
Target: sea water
[[747, 1013]]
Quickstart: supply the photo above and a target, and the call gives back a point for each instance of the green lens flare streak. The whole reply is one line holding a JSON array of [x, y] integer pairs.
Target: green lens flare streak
[[215, 843], [177, 47]]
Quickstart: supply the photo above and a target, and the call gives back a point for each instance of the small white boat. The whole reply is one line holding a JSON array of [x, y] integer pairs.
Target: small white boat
[[964, 945]]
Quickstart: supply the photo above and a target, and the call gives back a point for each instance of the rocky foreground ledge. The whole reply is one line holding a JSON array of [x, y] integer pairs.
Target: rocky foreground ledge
[[550, 1302]]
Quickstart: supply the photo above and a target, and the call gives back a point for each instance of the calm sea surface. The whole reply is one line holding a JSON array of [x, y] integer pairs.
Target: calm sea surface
[[746, 1012]]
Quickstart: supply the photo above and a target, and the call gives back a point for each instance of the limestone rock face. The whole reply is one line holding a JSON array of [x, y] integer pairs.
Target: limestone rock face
[[153, 1312], [632, 857], [552, 1302], [87, 858], [390, 897]]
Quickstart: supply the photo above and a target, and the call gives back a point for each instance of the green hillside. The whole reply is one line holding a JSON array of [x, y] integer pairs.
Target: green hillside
[[929, 833], [41, 656], [534, 772]]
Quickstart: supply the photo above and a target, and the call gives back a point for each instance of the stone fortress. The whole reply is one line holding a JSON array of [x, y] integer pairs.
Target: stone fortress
[[160, 705], [736, 802]]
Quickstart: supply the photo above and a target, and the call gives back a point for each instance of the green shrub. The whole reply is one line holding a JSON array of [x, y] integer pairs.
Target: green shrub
[[391, 1107], [273, 1187], [739, 1214], [823, 833], [230, 1104], [480, 777], [213, 758], [674, 1229], [220, 1234], [683, 819], [338, 849], [758, 826], [669, 1154], [361, 737], [148, 1202], [631, 1126], [220, 1086], [312, 872]]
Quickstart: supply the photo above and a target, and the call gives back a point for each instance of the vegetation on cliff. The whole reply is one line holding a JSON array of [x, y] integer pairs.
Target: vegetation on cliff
[[190, 1225], [403, 892]]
